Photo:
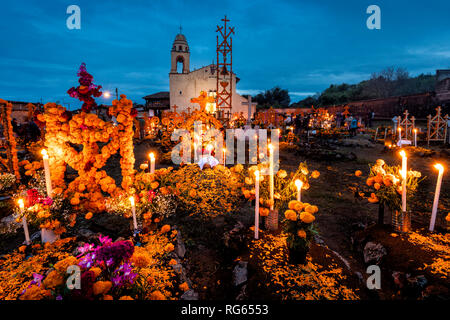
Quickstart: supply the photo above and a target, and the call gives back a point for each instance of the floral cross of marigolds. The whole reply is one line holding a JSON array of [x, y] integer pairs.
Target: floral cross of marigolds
[[85, 143]]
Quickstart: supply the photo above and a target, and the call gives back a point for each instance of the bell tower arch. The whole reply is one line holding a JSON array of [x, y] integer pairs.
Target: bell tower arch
[[180, 54]]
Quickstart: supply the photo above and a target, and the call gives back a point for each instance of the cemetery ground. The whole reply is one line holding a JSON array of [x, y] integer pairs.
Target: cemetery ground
[[220, 259]]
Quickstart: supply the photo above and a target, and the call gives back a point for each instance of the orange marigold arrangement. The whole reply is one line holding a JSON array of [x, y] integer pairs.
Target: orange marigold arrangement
[[5, 117], [109, 271], [384, 184], [284, 185], [299, 227]]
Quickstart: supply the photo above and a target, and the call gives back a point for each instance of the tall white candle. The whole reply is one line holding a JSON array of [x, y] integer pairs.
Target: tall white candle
[[224, 153], [48, 179], [256, 204], [399, 134], [24, 222], [415, 137], [271, 186], [133, 211], [152, 162], [404, 174], [299, 185], [436, 195]]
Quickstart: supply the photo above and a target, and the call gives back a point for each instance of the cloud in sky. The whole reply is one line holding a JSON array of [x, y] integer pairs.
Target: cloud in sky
[[302, 46]]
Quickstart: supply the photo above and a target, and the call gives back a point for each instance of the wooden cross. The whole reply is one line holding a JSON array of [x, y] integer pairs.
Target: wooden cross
[[175, 107], [202, 100], [189, 110]]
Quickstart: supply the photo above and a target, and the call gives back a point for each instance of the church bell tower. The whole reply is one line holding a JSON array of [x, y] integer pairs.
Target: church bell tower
[[180, 54]]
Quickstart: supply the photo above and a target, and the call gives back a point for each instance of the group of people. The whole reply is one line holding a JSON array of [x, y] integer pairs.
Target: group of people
[[351, 123]]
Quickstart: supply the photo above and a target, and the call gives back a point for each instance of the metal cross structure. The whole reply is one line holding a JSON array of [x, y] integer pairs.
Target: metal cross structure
[[437, 127], [407, 126], [224, 70]]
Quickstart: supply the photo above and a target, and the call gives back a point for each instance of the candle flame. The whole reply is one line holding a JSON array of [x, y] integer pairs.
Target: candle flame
[[298, 184], [151, 155], [257, 175], [402, 153], [415, 130], [399, 129], [21, 204], [44, 154], [132, 200], [439, 166]]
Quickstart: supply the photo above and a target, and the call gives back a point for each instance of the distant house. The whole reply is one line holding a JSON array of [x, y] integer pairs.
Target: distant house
[[157, 102], [20, 110]]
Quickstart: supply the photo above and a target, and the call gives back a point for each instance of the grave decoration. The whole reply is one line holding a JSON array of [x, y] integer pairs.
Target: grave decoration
[[385, 187]]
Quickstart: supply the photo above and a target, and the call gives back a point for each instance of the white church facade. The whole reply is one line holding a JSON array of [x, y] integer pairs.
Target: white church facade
[[186, 84]]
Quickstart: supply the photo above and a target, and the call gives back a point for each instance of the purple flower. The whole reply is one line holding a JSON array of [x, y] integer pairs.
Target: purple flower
[[87, 261], [117, 252], [124, 275], [59, 297], [47, 201], [105, 240], [85, 249]]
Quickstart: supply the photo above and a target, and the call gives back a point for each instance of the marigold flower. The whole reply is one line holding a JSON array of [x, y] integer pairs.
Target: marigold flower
[[315, 174], [298, 206], [301, 233], [53, 279], [307, 217], [101, 287], [88, 216], [291, 204], [165, 228], [125, 297], [96, 270], [184, 286], [169, 247], [172, 262], [290, 215], [157, 295], [107, 297], [358, 173], [282, 174]]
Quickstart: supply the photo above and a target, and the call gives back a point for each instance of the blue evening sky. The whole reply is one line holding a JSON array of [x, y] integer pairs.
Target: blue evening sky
[[303, 46]]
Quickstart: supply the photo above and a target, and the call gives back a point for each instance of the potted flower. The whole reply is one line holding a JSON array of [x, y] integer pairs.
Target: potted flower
[[300, 229]]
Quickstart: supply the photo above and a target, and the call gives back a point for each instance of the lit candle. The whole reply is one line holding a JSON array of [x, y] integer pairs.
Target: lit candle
[[404, 174], [299, 185], [133, 211], [399, 134], [48, 180], [152, 162], [415, 137], [256, 204], [224, 152], [436, 195], [24, 221], [271, 175]]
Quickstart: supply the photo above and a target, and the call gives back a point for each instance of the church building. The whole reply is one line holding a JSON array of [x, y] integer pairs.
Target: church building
[[186, 84]]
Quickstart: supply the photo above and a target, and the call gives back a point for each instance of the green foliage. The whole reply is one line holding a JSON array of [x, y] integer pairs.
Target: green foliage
[[387, 83]]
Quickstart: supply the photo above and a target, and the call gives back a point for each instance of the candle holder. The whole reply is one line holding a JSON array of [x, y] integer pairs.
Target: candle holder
[[47, 235], [271, 222], [401, 221]]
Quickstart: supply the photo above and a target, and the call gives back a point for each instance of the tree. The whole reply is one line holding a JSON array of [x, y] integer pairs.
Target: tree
[[275, 97]]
